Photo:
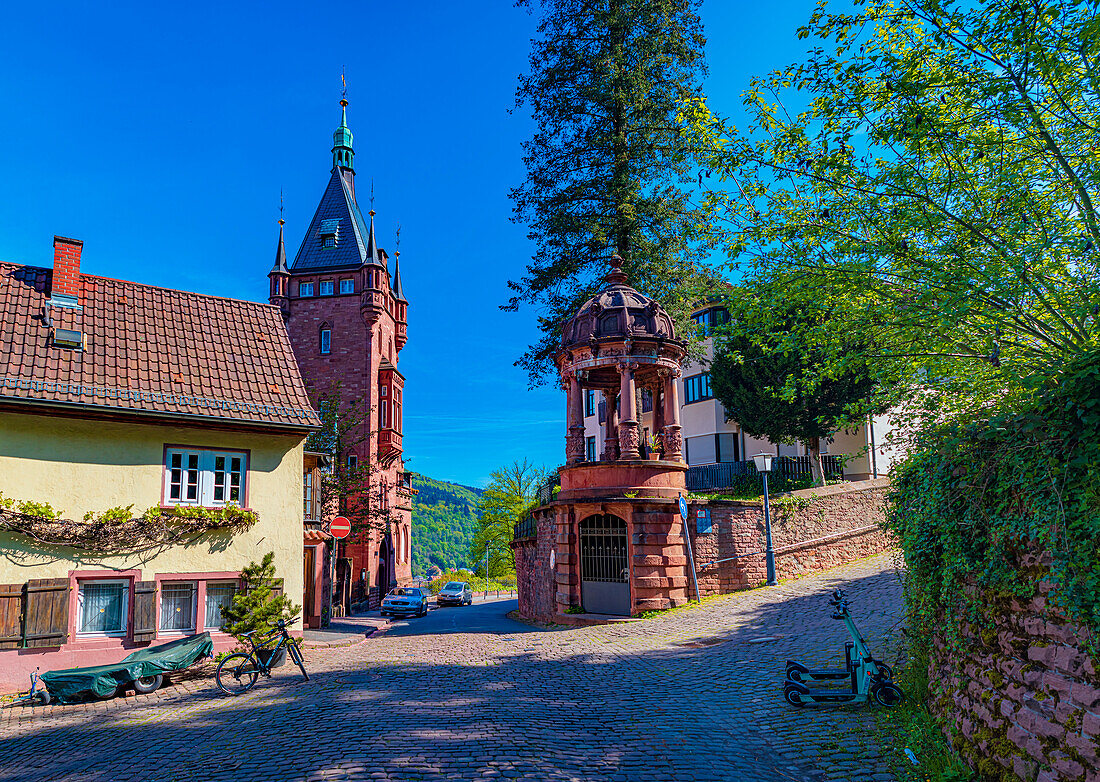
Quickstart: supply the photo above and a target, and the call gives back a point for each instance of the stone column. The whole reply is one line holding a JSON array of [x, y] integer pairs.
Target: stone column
[[610, 426], [628, 426], [574, 413], [670, 436]]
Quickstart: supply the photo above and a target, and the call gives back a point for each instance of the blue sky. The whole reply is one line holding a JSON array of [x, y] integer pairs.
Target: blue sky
[[161, 135]]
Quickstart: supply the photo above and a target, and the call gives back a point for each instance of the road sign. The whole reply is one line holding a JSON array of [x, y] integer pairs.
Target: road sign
[[340, 527], [683, 507]]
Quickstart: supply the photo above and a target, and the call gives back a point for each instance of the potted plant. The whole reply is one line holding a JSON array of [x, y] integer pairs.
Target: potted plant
[[655, 447]]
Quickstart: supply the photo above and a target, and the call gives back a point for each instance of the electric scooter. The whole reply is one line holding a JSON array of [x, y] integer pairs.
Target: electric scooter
[[868, 679]]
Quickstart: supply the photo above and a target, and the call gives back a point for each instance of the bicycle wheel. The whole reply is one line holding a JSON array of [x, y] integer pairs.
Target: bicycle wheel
[[296, 655], [236, 674]]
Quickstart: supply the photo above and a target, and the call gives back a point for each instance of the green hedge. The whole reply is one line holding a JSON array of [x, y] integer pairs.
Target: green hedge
[[977, 498]]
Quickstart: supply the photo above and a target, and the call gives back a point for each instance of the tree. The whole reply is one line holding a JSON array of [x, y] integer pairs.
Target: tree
[[351, 487], [606, 166], [939, 181], [510, 496], [790, 373], [256, 607]]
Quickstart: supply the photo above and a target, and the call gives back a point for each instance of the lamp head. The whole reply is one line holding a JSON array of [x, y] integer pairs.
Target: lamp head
[[763, 462]]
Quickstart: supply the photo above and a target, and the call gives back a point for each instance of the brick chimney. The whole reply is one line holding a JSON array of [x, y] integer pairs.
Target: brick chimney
[[65, 287]]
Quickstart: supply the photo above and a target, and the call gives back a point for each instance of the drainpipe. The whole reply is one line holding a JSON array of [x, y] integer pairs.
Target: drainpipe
[[871, 431]]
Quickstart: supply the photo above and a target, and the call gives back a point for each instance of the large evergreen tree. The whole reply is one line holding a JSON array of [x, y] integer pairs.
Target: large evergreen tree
[[607, 165]]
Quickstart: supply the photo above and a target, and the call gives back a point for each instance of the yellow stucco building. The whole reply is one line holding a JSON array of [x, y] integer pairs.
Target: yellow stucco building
[[116, 394]]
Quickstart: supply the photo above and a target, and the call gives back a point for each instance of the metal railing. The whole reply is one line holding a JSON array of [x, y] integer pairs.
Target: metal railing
[[727, 475], [524, 528], [545, 493]]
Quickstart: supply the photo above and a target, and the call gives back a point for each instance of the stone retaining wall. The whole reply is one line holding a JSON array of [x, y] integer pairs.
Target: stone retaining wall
[[812, 530], [536, 581], [1020, 694]]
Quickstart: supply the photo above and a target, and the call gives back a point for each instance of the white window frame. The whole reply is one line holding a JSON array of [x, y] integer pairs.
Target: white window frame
[[326, 288], [347, 286], [208, 479], [206, 606], [161, 630], [125, 631], [305, 289]]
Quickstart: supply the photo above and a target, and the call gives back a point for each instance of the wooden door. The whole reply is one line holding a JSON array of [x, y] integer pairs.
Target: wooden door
[[310, 586]]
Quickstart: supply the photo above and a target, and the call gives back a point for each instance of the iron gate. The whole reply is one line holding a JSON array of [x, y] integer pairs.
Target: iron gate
[[605, 572]]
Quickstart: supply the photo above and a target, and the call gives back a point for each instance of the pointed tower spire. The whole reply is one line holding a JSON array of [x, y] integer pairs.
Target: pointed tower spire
[[279, 276], [343, 155], [372, 245], [280, 250], [396, 287]]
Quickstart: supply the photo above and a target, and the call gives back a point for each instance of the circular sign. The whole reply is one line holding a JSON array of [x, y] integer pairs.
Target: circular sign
[[340, 527], [683, 508]]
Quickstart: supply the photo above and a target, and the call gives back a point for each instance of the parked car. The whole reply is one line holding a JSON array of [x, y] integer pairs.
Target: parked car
[[457, 593], [405, 601]]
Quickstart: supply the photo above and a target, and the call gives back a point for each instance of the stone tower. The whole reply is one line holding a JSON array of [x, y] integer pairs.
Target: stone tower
[[347, 317]]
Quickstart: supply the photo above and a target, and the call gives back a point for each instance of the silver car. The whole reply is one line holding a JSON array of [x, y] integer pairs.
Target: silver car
[[456, 593], [405, 601]]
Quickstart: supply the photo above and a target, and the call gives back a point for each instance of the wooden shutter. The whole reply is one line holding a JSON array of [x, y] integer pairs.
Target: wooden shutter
[[145, 611], [11, 615], [47, 619]]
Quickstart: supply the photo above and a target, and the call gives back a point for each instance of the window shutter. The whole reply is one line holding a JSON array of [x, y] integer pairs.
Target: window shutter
[[11, 615], [47, 622], [145, 611], [277, 588]]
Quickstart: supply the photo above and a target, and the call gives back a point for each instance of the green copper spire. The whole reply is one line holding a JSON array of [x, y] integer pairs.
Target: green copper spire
[[342, 153]]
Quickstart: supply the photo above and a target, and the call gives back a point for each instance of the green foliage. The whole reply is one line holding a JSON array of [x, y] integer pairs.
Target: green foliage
[[443, 524], [981, 496], [509, 497], [607, 163], [256, 607], [476, 582], [227, 516], [42, 510], [930, 170], [910, 725], [790, 372]]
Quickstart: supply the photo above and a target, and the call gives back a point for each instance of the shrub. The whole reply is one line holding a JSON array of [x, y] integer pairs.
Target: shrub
[[256, 607]]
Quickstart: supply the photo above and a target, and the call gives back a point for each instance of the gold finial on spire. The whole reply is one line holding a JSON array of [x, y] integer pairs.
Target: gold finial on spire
[[281, 220]]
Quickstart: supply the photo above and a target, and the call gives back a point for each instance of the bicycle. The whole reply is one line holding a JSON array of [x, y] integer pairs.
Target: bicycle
[[238, 672]]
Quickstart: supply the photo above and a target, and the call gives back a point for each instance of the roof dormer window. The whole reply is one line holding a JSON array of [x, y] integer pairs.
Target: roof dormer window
[[330, 232]]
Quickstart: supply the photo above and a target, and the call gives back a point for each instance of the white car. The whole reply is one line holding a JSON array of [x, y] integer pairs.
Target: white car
[[455, 593]]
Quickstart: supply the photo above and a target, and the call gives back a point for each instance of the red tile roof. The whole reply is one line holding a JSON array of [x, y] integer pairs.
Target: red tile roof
[[149, 351]]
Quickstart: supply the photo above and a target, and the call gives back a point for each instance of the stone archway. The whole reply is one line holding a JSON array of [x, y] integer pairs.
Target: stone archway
[[605, 568]]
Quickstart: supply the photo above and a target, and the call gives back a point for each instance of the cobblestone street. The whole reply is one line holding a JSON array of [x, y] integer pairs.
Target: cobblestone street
[[692, 695]]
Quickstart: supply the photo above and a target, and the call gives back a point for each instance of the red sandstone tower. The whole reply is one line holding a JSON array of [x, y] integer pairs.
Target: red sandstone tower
[[611, 541], [347, 319]]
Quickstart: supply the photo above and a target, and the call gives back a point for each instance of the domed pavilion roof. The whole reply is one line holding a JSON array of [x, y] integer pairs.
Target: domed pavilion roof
[[617, 312]]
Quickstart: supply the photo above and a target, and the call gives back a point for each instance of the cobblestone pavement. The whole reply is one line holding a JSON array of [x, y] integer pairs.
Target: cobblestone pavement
[[692, 695]]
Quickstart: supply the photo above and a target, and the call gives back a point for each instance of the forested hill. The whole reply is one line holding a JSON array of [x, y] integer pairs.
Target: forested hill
[[444, 518]]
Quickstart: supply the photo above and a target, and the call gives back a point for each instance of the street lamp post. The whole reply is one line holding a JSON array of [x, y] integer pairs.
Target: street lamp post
[[763, 463]]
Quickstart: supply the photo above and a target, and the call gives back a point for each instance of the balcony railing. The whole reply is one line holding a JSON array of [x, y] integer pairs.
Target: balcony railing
[[545, 493], [737, 475]]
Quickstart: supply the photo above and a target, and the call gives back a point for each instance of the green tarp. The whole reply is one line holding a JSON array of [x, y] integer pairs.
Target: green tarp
[[103, 680]]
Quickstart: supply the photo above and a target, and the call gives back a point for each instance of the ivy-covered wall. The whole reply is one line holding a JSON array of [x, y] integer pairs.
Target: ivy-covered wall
[[999, 517]]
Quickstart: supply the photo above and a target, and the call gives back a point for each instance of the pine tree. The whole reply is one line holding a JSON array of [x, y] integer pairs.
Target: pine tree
[[256, 606], [606, 167]]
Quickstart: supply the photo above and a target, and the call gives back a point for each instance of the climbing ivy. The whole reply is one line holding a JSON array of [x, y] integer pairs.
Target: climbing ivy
[[978, 500]]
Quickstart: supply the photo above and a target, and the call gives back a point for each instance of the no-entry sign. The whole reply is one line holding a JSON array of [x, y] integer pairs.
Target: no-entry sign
[[340, 527]]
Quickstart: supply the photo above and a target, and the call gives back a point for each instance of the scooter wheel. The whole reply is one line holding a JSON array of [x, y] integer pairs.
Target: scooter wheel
[[885, 671], [793, 696], [887, 694], [794, 674]]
